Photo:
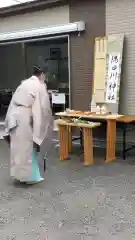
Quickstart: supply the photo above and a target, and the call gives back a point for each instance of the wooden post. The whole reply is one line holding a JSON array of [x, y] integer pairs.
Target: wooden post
[[69, 139], [88, 146], [64, 145], [111, 140]]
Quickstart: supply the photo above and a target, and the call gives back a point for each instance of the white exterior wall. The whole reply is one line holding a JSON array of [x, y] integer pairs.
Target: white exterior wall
[[43, 18], [120, 18]]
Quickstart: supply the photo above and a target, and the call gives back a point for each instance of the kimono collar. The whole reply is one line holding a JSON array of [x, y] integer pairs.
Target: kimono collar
[[34, 78]]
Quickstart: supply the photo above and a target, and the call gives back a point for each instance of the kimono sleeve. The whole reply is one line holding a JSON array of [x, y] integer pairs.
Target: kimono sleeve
[[42, 116]]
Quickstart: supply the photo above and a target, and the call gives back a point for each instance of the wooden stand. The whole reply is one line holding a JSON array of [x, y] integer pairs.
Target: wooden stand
[[111, 128], [69, 139], [64, 144], [65, 136], [88, 146], [111, 140]]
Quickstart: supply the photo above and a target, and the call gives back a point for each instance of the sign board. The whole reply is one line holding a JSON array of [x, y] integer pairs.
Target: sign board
[[58, 98], [113, 78]]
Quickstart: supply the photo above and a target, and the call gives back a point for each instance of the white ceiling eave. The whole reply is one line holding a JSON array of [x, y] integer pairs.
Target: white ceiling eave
[[52, 30]]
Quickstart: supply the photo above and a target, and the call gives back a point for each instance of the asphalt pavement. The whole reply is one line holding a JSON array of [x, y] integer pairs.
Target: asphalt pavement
[[73, 203]]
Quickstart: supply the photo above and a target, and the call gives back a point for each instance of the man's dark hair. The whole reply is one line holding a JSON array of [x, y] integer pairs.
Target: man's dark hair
[[37, 71]]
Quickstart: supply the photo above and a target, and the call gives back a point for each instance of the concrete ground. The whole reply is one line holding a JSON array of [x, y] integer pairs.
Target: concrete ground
[[73, 203]]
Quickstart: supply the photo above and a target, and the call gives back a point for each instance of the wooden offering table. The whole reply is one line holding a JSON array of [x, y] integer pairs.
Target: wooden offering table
[[111, 120], [65, 141]]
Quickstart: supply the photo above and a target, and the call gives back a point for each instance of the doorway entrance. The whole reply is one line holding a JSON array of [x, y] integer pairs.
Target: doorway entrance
[[16, 64]]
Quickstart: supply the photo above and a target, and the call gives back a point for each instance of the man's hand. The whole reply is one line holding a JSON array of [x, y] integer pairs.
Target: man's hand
[[36, 147]]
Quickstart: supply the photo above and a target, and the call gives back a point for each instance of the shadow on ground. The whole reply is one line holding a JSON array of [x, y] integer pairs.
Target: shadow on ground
[[73, 203]]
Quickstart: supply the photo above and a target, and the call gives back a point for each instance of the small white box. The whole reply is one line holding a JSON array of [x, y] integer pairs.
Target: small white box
[[58, 98]]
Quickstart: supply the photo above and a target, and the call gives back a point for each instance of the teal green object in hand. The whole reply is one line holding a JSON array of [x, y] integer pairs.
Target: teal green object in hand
[[35, 169]]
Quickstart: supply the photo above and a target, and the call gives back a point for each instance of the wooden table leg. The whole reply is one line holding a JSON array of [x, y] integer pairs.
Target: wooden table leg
[[88, 146], [69, 139], [111, 140], [64, 145]]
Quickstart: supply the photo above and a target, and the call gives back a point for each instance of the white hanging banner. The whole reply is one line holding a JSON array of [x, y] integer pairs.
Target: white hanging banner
[[113, 78]]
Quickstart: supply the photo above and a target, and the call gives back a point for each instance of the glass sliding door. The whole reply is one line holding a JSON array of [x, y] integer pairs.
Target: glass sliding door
[[12, 72], [53, 54], [16, 65]]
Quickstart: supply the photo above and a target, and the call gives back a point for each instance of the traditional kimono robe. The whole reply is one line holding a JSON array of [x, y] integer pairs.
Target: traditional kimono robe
[[28, 120]]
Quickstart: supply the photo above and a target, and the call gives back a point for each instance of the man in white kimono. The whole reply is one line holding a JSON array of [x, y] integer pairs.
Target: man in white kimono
[[29, 123]]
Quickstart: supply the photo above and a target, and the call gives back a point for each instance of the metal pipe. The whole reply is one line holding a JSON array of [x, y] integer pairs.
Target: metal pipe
[[69, 72]]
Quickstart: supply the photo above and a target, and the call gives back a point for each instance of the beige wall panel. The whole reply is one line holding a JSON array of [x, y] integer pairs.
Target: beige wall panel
[[43, 18]]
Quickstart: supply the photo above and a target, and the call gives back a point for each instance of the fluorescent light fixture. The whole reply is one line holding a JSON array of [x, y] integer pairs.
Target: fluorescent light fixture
[[8, 3], [52, 30]]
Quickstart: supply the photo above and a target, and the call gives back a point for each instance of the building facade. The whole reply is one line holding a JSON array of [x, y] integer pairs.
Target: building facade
[[41, 14]]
